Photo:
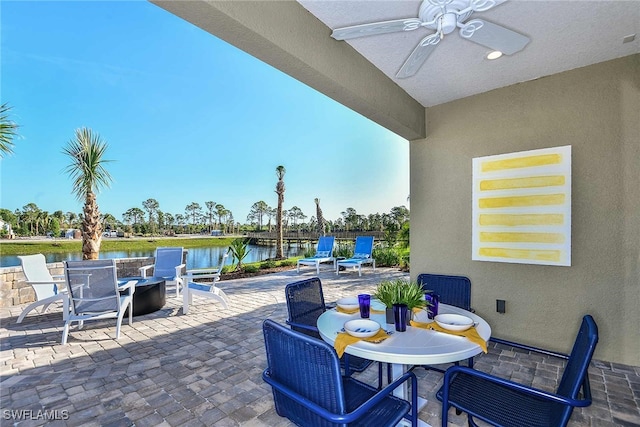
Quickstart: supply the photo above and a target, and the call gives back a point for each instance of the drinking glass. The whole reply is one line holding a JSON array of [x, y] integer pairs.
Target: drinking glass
[[364, 300], [432, 304], [400, 316]]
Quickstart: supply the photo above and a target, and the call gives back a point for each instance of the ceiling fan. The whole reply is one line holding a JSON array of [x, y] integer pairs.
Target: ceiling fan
[[443, 16]]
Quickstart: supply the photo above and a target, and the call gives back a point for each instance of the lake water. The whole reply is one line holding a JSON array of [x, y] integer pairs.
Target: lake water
[[196, 257]]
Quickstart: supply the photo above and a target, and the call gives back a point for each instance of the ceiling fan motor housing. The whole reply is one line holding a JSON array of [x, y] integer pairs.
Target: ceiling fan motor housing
[[446, 15]]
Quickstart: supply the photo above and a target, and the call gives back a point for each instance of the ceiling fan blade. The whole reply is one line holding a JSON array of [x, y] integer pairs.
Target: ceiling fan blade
[[484, 5], [419, 56], [494, 36], [374, 28]]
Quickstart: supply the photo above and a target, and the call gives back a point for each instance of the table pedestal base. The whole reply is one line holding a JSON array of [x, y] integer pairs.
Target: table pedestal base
[[397, 370]]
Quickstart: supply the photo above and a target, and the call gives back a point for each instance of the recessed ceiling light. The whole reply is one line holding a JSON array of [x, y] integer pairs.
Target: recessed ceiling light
[[494, 55]]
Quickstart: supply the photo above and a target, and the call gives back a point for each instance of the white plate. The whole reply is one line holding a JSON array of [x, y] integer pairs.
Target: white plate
[[362, 328], [454, 322], [348, 303]]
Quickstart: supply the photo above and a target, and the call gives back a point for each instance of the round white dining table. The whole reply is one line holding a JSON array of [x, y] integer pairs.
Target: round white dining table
[[415, 346]]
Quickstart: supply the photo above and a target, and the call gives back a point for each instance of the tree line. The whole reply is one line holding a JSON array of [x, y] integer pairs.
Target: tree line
[[149, 219]]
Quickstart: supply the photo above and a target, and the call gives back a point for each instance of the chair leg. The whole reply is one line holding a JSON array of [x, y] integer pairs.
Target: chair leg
[[186, 300], [65, 332], [43, 302]]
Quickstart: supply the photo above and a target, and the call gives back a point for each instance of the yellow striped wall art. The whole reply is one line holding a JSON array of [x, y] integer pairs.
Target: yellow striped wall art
[[522, 207]]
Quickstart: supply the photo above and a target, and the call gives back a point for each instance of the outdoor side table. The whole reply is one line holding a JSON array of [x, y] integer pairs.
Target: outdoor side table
[[149, 296]]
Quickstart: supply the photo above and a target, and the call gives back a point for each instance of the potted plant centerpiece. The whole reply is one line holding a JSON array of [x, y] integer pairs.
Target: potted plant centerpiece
[[400, 291]]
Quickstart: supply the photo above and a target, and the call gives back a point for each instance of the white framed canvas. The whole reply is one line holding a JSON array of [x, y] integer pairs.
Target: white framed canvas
[[522, 207]]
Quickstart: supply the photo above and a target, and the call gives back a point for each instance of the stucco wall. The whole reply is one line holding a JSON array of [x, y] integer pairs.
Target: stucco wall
[[594, 109]]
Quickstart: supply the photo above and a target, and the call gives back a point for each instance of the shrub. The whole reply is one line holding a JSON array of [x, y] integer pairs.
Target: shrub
[[288, 263], [386, 257], [268, 264], [251, 268], [344, 250]]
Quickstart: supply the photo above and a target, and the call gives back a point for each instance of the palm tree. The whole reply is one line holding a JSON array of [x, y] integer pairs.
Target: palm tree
[[319, 217], [8, 131], [89, 176], [280, 189]]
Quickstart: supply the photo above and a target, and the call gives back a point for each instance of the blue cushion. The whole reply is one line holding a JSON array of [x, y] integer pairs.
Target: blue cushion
[[199, 287]]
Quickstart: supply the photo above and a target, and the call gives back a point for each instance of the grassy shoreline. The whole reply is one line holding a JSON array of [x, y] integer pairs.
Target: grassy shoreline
[[30, 247]]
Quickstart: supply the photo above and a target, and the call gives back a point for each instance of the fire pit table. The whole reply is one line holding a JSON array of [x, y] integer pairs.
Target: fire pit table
[[149, 295]]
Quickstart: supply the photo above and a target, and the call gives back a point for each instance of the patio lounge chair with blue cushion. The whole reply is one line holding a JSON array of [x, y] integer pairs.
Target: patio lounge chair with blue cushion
[[324, 253], [501, 402], [48, 288], [168, 265], [95, 294], [206, 289], [309, 389], [362, 254]]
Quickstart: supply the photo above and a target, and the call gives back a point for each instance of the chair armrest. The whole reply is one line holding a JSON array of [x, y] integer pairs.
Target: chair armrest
[[44, 282], [203, 273], [450, 374], [302, 326], [143, 270], [179, 270], [358, 412], [130, 286]]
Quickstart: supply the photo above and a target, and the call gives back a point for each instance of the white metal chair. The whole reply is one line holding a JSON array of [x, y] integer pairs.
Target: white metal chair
[[95, 294], [324, 253], [363, 254], [207, 289], [48, 288], [168, 265]]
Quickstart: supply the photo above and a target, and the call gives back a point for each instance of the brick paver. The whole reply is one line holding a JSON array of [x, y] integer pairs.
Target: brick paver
[[205, 368]]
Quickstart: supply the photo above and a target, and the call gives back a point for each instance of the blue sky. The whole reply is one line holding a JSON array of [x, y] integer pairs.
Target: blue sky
[[187, 117]]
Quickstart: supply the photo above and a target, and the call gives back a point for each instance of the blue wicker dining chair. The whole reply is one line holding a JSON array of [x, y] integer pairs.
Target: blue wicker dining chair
[[501, 402], [452, 290], [305, 303], [309, 389]]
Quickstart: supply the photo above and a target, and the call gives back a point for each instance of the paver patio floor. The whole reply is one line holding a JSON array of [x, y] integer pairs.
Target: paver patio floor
[[205, 368]]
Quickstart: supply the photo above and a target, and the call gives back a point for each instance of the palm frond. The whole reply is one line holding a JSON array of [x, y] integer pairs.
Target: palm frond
[[8, 130], [87, 169]]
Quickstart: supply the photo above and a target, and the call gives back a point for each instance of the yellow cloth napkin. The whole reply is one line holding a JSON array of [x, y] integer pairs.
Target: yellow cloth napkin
[[342, 310], [471, 334], [377, 311], [344, 339]]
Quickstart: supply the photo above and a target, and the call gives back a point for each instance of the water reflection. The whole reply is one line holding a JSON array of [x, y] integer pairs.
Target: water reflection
[[196, 257]]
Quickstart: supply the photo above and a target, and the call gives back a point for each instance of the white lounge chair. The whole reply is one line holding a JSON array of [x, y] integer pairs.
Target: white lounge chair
[[206, 289], [363, 254], [95, 294], [48, 288], [324, 253], [168, 265]]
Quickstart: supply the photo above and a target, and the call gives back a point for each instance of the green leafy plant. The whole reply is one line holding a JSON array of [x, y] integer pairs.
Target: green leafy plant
[[400, 291], [239, 250], [251, 268], [344, 250], [386, 257], [268, 264]]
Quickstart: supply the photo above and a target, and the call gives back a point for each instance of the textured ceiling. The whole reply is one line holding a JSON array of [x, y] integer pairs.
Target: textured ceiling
[[564, 35]]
